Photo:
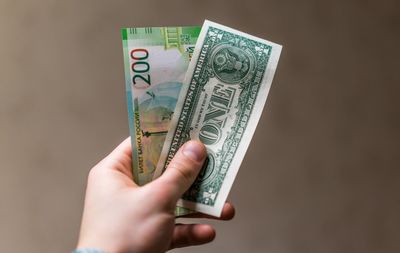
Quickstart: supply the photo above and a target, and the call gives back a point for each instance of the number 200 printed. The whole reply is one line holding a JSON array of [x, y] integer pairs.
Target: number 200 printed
[[140, 68]]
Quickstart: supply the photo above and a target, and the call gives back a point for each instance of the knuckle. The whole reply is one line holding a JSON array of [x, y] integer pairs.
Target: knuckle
[[94, 172]]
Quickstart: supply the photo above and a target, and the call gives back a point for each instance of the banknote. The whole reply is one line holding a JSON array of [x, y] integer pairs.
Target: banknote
[[156, 60], [221, 101]]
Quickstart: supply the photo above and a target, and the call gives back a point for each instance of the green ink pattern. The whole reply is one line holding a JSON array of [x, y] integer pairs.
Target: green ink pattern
[[234, 60]]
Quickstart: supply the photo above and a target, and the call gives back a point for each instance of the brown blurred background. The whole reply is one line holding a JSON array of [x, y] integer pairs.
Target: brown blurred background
[[321, 174]]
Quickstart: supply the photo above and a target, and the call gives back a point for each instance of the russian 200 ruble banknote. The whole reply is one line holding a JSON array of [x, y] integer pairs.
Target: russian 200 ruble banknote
[[156, 60], [221, 101]]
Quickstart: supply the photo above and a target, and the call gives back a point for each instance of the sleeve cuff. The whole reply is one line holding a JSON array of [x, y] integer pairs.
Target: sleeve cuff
[[87, 251]]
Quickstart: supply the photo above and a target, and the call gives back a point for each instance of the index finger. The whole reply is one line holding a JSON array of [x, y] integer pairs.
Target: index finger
[[120, 159]]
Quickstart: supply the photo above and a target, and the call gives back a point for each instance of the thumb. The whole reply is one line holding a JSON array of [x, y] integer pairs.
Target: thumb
[[183, 169]]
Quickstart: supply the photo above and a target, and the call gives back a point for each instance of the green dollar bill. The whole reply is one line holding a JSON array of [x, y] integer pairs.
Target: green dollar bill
[[221, 101], [156, 60]]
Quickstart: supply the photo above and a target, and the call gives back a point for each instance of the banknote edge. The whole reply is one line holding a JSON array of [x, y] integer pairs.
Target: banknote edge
[[130, 105]]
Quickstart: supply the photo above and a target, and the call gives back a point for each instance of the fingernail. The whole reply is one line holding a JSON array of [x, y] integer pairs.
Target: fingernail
[[194, 150]]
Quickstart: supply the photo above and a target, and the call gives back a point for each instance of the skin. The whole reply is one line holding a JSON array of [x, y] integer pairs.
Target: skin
[[121, 217]]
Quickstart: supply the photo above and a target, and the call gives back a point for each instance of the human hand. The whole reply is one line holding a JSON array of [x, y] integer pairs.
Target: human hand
[[120, 216]]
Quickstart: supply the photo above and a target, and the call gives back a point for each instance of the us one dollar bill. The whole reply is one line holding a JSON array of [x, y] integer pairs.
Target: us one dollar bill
[[156, 60], [221, 101]]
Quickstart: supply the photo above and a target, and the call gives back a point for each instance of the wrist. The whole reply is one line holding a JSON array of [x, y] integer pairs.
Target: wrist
[[87, 251], [94, 245]]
